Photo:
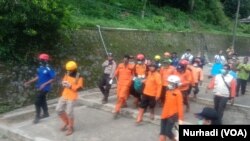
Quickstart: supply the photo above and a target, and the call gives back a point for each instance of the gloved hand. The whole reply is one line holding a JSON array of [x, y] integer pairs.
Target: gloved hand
[[66, 84], [110, 81], [134, 78]]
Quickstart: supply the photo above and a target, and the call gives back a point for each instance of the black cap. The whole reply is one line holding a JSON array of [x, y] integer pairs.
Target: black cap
[[207, 113]]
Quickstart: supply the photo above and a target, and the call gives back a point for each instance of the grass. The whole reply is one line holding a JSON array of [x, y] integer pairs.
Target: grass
[[88, 13]]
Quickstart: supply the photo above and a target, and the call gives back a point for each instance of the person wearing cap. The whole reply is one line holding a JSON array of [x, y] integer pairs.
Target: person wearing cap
[[124, 74], [109, 66], [224, 89], [151, 92], [173, 108], [72, 82], [44, 77], [208, 116], [165, 71]]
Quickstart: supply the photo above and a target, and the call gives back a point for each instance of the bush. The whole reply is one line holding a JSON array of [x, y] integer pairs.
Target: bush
[[31, 26]]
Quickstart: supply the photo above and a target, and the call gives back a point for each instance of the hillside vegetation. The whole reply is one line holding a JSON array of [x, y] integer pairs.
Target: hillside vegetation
[[168, 15], [28, 27]]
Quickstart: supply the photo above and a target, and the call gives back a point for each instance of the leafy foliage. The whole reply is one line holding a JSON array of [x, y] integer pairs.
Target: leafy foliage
[[30, 26]]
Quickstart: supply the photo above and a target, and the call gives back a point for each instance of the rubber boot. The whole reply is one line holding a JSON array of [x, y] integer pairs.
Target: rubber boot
[[70, 127], [105, 100], [140, 115], [64, 118]]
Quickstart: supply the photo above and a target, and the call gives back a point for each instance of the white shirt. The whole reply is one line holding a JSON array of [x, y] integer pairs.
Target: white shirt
[[220, 87]]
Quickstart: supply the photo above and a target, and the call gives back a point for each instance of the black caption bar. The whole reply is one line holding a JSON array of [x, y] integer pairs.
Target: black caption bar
[[214, 132]]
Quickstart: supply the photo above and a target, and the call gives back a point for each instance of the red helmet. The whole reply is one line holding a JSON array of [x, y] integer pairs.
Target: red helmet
[[140, 57], [183, 62], [44, 57]]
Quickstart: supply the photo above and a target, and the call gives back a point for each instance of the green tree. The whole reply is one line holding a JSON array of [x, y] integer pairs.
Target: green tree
[[29, 26], [230, 7]]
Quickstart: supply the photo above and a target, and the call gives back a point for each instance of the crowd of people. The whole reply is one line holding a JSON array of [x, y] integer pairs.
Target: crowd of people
[[165, 80]]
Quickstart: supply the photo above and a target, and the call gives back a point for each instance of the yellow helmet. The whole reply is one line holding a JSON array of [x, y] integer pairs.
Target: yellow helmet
[[157, 57], [71, 65]]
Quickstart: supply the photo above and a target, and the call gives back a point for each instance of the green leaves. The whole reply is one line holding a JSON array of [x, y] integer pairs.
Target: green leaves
[[25, 24]]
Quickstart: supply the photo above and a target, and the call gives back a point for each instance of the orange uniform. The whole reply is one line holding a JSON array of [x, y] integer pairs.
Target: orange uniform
[[140, 69], [76, 83], [173, 104], [197, 74], [124, 73], [186, 79], [165, 72], [153, 84]]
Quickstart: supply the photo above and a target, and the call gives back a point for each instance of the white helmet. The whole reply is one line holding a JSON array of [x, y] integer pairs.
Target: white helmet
[[174, 79]]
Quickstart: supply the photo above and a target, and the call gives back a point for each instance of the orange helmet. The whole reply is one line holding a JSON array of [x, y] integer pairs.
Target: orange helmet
[[44, 56]]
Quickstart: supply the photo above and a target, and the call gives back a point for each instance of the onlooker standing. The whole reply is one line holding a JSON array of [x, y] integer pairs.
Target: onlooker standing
[[188, 56], [224, 88], [109, 66], [220, 58], [175, 59], [243, 75], [44, 77]]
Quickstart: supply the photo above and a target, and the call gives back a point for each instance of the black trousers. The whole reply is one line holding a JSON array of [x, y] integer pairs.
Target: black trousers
[[41, 103], [241, 84], [104, 85], [220, 103]]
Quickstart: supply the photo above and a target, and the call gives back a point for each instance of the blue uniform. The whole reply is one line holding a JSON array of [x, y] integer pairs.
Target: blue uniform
[[45, 74]]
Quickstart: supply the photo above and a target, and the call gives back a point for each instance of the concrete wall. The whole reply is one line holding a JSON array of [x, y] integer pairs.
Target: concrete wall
[[87, 49]]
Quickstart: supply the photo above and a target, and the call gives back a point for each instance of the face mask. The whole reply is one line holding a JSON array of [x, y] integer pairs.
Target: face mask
[[170, 87], [195, 65], [42, 63], [139, 62], [200, 122]]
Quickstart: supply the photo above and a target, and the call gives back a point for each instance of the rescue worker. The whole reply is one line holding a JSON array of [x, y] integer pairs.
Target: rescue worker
[[224, 88], [44, 77], [109, 66], [140, 71], [186, 79], [172, 111], [157, 60], [151, 92], [124, 74], [72, 82], [165, 71], [197, 77]]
